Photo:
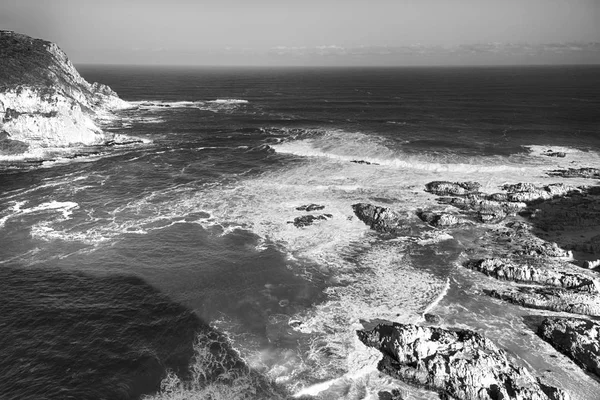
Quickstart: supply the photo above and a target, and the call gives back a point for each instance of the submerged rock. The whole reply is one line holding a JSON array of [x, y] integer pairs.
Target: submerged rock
[[503, 268], [363, 162], [458, 363], [579, 339], [553, 299]]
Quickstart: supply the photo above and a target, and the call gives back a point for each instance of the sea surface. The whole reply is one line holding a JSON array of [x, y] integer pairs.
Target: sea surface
[[177, 258]]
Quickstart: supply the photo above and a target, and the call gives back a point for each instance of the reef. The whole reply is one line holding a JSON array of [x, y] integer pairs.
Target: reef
[[44, 102], [460, 363], [387, 221]]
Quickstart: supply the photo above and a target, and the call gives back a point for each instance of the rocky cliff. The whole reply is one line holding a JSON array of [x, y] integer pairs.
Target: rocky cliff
[[44, 102]]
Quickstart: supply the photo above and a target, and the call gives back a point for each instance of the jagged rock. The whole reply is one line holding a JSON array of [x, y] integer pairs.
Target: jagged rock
[[442, 219], [553, 299], [444, 188], [579, 339], [310, 207], [458, 363], [307, 220], [590, 173], [528, 192], [44, 102], [384, 220], [502, 268]]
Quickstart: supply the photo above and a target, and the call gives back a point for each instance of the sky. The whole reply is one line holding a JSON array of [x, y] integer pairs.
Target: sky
[[313, 32]]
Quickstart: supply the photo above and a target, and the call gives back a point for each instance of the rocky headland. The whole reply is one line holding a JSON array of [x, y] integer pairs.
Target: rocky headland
[[45, 103]]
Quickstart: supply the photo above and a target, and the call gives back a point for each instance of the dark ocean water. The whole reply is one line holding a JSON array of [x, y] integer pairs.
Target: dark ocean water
[[120, 265]]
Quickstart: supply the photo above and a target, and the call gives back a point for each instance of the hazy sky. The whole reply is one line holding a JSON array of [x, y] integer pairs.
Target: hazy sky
[[313, 32]]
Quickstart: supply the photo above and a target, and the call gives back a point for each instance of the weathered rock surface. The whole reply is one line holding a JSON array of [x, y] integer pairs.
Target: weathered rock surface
[[307, 220], [591, 173], [579, 339], [444, 188], [528, 192], [553, 299], [442, 219], [384, 220], [484, 208], [551, 153], [458, 363], [502, 268], [44, 102]]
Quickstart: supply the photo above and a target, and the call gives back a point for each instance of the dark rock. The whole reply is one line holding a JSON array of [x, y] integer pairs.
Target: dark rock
[[310, 207], [551, 153], [553, 299], [307, 220], [458, 363], [363, 162], [444, 188], [393, 395], [579, 339], [502, 268], [432, 318], [590, 173]]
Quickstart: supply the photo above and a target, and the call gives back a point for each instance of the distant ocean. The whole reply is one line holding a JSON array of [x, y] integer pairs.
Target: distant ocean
[[178, 255]]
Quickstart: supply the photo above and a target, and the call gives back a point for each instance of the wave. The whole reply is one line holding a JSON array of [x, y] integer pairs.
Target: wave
[[361, 148], [64, 208], [157, 105]]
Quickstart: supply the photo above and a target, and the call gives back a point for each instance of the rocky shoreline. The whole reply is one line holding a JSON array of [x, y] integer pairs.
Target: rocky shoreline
[[531, 271]]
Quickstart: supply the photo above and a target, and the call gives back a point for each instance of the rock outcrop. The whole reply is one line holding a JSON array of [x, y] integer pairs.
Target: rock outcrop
[[590, 173], [44, 102], [501, 268], [553, 299], [579, 339], [387, 221], [461, 364], [442, 219], [444, 188], [307, 220]]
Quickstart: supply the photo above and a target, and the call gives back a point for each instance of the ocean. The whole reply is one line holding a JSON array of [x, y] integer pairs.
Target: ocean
[[173, 267]]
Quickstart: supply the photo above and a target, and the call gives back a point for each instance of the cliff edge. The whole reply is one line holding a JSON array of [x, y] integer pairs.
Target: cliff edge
[[44, 102]]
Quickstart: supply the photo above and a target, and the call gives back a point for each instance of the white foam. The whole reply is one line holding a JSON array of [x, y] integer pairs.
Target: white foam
[[229, 101]]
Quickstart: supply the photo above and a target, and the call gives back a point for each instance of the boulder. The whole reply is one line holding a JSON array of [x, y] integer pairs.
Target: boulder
[[458, 363]]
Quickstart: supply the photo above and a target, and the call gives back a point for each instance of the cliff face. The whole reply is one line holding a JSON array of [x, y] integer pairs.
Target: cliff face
[[44, 102]]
